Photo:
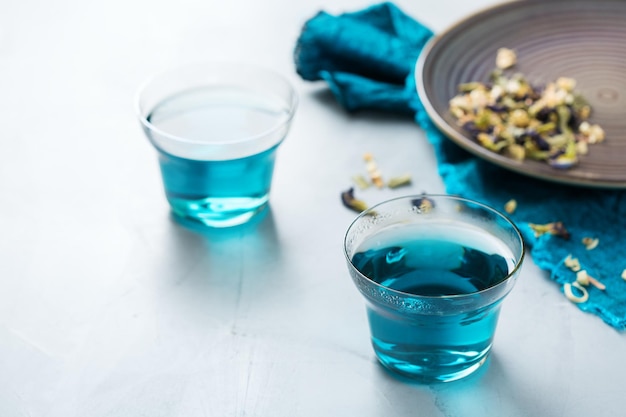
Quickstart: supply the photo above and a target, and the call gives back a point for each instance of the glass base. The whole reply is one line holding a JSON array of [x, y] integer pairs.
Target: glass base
[[435, 366], [218, 212]]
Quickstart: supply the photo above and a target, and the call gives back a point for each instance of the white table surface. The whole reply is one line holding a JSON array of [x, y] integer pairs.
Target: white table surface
[[109, 308]]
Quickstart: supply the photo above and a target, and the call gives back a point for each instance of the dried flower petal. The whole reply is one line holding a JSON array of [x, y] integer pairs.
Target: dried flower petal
[[593, 281], [505, 58], [373, 171], [566, 83], [361, 182], [582, 278], [423, 204], [591, 133], [560, 230], [563, 161], [348, 200], [555, 228], [567, 289], [572, 263], [515, 151], [519, 118], [400, 181], [510, 206], [590, 243]]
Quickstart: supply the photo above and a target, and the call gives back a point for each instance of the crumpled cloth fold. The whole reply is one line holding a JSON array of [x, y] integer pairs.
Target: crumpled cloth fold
[[364, 56], [368, 60]]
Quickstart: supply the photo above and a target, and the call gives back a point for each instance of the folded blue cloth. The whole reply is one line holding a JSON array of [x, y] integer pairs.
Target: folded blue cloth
[[368, 57]]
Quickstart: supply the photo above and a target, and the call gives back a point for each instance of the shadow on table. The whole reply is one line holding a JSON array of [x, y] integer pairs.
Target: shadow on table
[[224, 258], [491, 390]]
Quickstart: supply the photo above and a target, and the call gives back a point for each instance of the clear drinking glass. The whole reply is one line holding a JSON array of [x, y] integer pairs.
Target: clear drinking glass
[[216, 128], [433, 271]]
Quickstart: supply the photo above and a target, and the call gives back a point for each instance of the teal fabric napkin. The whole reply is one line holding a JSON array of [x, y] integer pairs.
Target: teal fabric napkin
[[368, 57]]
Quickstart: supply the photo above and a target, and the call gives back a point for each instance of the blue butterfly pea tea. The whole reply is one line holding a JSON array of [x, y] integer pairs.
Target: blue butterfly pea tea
[[434, 271], [216, 129]]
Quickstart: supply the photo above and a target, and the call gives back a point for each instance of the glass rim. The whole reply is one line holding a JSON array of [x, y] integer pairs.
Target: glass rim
[[513, 272], [292, 102]]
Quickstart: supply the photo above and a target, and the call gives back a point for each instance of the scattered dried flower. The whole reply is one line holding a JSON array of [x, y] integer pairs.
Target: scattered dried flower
[[361, 182], [582, 148], [506, 58], [560, 230], [515, 151], [582, 278], [423, 204], [373, 171], [572, 263], [569, 293], [566, 83], [510, 206], [593, 281], [400, 181], [555, 228], [348, 200], [590, 243], [519, 118], [512, 117], [593, 133]]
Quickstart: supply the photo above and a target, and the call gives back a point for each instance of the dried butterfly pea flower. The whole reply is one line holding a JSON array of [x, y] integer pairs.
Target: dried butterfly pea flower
[[572, 263], [590, 243], [591, 133], [491, 142], [423, 204], [472, 86], [555, 228], [361, 182], [583, 278], [510, 206], [582, 148], [373, 171], [506, 58], [519, 118], [399, 181], [514, 118], [566, 83], [515, 151], [348, 200], [563, 161]]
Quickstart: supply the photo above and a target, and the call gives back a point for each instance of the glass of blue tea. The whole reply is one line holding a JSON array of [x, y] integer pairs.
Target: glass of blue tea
[[216, 128], [434, 270]]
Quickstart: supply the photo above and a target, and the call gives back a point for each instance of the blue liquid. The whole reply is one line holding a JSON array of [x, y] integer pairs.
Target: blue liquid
[[218, 193], [217, 190], [435, 347]]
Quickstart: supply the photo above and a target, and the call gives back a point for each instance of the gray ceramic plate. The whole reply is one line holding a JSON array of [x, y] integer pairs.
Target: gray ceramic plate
[[582, 39]]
